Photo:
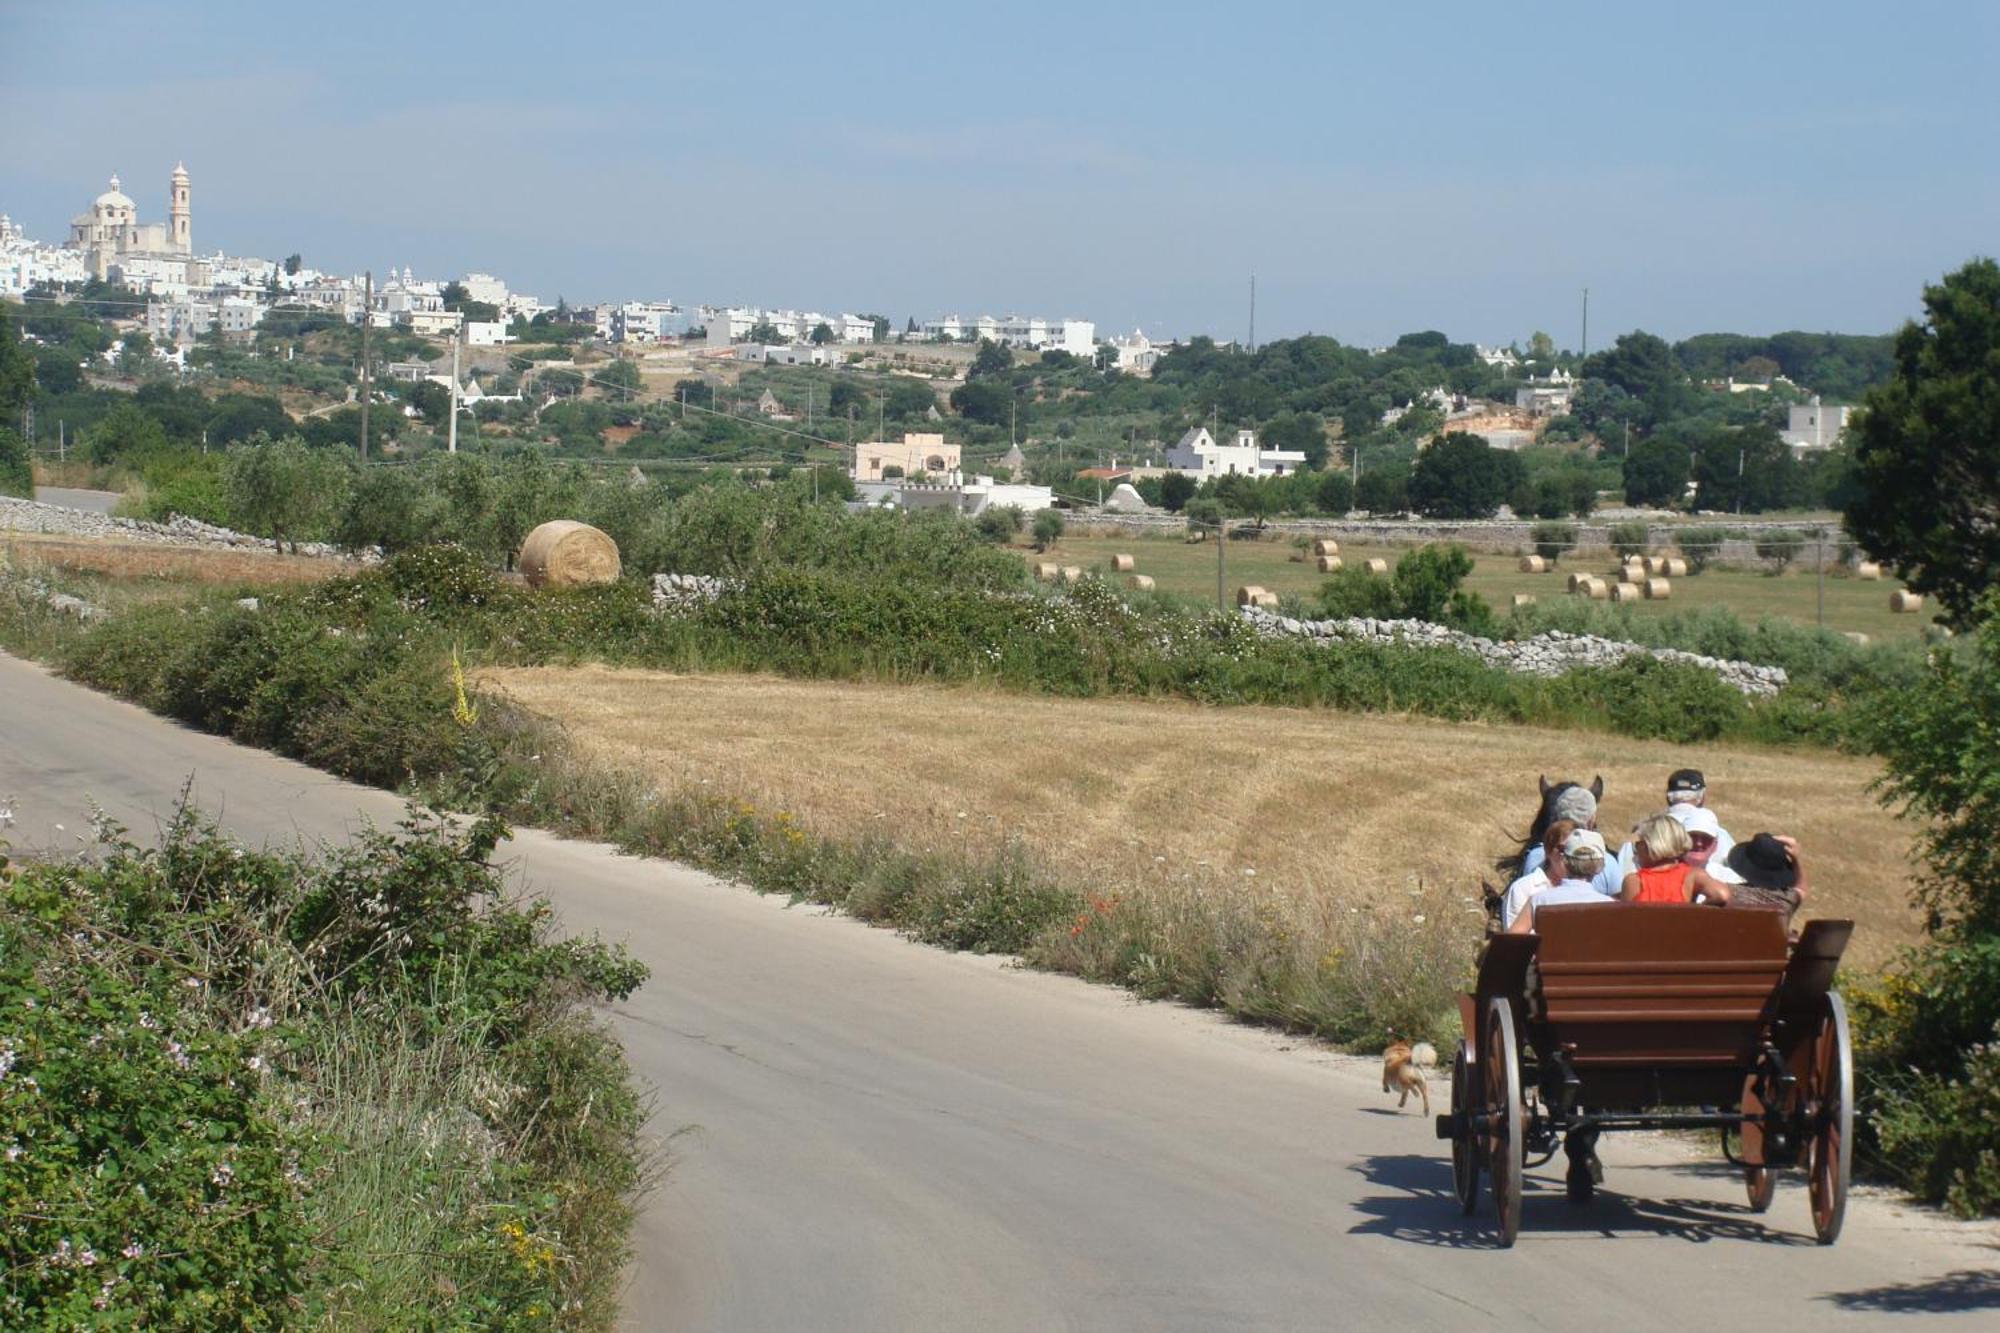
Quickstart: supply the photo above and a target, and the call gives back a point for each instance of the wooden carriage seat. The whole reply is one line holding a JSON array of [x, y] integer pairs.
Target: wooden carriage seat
[[1626, 985]]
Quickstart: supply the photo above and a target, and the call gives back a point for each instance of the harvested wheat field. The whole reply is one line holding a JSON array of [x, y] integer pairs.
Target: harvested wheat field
[[1285, 803], [157, 560]]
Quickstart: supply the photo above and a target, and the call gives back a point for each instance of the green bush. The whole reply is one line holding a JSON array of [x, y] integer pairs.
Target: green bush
[[1629, 539], [1553, 541], [1649, 698], [243, 1087], [17, 473], [1701, 546], [1779, 547]]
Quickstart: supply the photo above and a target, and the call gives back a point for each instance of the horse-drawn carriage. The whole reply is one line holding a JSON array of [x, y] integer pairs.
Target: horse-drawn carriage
[[1655, 1017]]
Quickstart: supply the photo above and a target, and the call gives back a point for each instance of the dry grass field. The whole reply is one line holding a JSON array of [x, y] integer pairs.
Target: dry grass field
[[1303, 810], [1189, 570], [140, 562]]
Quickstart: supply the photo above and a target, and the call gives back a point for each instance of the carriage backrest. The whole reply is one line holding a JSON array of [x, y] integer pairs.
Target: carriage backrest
[[1644, 984]]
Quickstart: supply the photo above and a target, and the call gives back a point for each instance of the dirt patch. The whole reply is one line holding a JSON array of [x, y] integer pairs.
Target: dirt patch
[[152, 560]]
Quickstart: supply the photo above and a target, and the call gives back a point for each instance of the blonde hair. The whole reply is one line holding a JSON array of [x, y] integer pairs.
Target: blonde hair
[[1660, 839]]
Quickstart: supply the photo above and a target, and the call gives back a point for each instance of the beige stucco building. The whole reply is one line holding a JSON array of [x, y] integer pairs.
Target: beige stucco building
[[111, 230]]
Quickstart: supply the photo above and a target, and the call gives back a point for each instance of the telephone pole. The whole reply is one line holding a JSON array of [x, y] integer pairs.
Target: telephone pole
[[1586, 324], [1253, 312], [451, 435], [367, 317]]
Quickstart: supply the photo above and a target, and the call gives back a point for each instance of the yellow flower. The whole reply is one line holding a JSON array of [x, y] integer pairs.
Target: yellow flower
[[462, 710]]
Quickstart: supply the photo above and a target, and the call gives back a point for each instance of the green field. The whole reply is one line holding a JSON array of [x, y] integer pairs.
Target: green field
[[1188, 570]]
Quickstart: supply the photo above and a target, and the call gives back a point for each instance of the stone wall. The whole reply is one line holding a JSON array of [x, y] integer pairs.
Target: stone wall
[[58, 521]]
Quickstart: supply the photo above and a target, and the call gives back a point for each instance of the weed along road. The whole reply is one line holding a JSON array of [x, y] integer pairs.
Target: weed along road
[[882, 1135]]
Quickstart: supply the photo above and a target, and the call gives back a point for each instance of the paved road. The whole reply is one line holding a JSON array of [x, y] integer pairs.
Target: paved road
[[69, 497], [886, 1136]]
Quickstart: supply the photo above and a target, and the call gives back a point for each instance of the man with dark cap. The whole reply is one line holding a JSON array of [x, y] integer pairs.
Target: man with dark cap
[[1687, 791]]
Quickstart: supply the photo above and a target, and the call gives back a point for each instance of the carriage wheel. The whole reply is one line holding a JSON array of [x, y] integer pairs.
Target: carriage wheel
[[1830, 1117], [1761, 1182], [1464, 1149], [1505, 1149]]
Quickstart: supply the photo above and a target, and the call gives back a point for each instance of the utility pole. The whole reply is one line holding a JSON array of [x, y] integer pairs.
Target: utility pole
[[1739, 480], [367, 318], [1586, 323], [451, 434], [1253, 312], [1819, 561], [1221, 563]]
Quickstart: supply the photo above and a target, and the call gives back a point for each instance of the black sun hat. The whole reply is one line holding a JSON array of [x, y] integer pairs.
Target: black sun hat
[[1764, 863]]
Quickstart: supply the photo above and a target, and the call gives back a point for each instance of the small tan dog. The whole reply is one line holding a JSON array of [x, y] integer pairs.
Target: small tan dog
[[1403, 1067]]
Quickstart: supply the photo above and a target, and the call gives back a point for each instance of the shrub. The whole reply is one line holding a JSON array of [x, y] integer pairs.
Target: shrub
[[1779, 546], [17, 475], [1048, 528], [1649, 698], [1553, 541], [1700, 546], [1629, 539], [1000, 523]]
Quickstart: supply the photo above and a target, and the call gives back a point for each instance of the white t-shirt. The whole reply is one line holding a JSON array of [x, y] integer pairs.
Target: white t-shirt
[[1519, 892], [1569, 891]]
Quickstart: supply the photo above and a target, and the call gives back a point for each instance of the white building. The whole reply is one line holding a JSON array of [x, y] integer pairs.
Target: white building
[[1198, 455], [1546, 396], [486, 333], [432, 323], [1815, 425], [638, 321], [1136, 355], [1075, 336], [484, 287], [1502, 357], [111, 230]]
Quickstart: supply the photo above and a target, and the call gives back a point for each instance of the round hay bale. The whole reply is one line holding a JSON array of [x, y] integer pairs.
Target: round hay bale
[[1625, 592], [1633, 572], [1139, 582], [1598, 591], [1072, 573], [1122, 564], [566, 554], [1534, 564], [1250, 594], [1902, 601], [1656, 565], [1326, 546], [1376, 566], [1856, 637], [1046, 572], [1676, 568], [1330, 564], [1576, 581], [1524, 599], [1868, 571], [1658, 590]]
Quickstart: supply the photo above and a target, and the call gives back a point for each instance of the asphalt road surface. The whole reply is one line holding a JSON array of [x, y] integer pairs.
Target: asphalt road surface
[[69, 497], [881, 1135]]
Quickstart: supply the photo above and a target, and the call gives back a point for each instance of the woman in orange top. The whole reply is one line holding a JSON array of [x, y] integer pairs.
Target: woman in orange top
[[1658, 844]]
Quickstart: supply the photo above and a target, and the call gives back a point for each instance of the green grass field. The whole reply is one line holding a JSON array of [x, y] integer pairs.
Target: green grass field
[[1184, 569]]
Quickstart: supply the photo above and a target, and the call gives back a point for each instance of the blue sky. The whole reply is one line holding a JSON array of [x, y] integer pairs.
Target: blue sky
[[1380, 168]]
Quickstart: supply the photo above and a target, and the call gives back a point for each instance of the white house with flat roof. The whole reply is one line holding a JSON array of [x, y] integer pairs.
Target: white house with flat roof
[[1815, 425], [1198, 455]]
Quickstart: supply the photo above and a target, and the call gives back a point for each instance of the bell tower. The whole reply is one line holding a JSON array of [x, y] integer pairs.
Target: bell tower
[[178, 219]]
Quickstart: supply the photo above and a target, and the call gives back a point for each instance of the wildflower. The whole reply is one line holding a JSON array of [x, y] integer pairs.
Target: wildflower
[[255, 1063], [1418, 918], [133, 1249], [178, 1054], [146, 1020], [7, 1057], [222, 1176]]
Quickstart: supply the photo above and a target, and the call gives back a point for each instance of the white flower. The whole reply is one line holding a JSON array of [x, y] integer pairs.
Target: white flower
[[133, 1249], [146, 1020], [178, 1054], [6, 1057], [222, 1175], [86, 1256], [256, 1062], [1418, 918]]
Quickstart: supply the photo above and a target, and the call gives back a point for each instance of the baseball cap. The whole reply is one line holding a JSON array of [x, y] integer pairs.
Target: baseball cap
[[1685, 784], [1696, 819], [1575, 804], [1584, 839]]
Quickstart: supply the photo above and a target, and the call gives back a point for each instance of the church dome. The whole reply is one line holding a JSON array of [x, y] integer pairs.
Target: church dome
[[113, 198]]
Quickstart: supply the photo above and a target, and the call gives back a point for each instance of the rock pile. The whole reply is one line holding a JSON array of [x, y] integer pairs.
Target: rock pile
[[685, 592], [1547, 654], [58, 521]]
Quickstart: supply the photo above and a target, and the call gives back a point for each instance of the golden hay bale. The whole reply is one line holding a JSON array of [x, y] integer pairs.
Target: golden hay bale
[[1072, 573], [1534, 564], [1122, 564], [1625, 592], [1139, 582], [1575, 581], [1655, 564], [1269, 601], [1330, 564], [1376, 566], [1045, 572], [1326, 546], [1250, 594], [1855, 636], [1194, 538], [566, 554], [1524, 599], [1599, 590], [1633, 571], [1676, 568], [1658, 590], [1868, 570], [1903, 601]]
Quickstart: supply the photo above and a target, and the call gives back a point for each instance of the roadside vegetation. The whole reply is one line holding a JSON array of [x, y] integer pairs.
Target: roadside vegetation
[[357, 1088]]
